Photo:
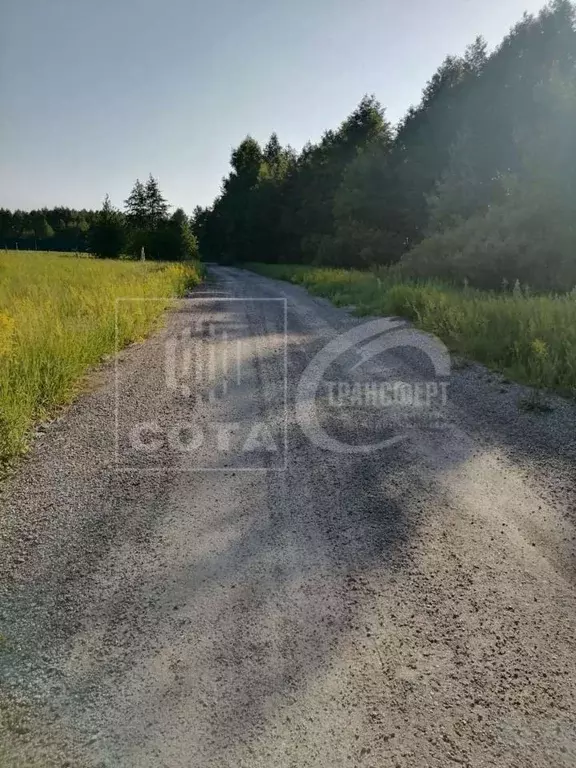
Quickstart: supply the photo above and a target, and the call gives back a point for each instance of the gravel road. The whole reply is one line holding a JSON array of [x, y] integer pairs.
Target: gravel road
[[189, 577]]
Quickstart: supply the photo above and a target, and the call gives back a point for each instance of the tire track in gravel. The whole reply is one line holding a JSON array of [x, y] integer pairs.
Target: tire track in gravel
[[410, 607]]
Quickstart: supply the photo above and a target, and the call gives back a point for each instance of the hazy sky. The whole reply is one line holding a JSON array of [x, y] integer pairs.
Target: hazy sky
[[95, 93]]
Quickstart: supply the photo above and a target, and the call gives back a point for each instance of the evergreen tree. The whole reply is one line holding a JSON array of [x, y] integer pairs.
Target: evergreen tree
[[476, 181], [370, 219], [238, 202], [107, 235], [182, 243], [147, 212], [155, 204], [272, 153], [137, 210]]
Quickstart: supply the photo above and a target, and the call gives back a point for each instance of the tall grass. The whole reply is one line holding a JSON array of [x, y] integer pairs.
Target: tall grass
[[531, 339], [57, 318]]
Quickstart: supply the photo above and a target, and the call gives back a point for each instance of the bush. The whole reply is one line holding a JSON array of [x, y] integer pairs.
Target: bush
[[527, 238]]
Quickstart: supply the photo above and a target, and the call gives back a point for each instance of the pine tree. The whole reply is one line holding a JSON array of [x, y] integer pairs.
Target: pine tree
[[185, 243], [147, 212], [156, 205], [238, 203], [272, 153], [107, 235], [136, 203]]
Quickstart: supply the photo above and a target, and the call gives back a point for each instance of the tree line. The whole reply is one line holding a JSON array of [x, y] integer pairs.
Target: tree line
[[476, 183], [57, 229], [144, 226], [145, 223]]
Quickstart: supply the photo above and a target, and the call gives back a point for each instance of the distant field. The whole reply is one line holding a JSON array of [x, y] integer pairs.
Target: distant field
[[531, 339], [57, 318]]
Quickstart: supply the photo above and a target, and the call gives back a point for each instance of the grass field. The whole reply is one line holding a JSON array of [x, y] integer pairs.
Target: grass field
[[57, 318], [531, 339]]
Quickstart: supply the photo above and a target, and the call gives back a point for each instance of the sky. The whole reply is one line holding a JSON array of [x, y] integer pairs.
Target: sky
[[97, 93]]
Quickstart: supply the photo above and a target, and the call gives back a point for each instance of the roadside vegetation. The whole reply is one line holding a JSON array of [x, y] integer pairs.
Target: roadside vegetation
[[529, 338], [57, 318], [476, 183], [460, 217]]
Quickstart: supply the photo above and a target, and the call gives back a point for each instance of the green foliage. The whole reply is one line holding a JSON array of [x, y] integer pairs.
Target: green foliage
[[58, 228], [529, 237], [148, 222], [476, 182], [276, 204], [57, 317], [186, 242], [107, 235], [136, 205], [156, 206], [369, 220], [40, 225], [146, 207], [529, 338], [527, 232], [174, 240]]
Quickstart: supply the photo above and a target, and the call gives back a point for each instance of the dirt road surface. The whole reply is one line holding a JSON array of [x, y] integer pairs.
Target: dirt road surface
[[190, 577]]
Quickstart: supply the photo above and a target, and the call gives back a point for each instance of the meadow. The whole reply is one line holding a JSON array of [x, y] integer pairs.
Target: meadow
[[57, 319], [528, 338]]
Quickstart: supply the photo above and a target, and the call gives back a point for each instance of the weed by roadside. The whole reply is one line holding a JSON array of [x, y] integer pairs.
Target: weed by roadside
[[531, 339]]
